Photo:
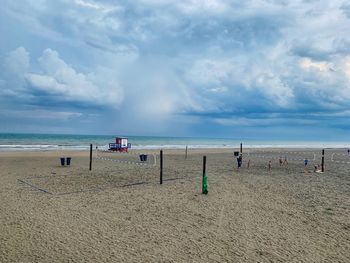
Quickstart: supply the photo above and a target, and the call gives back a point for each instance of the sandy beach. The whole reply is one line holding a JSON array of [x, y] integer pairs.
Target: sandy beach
[[118, 212]]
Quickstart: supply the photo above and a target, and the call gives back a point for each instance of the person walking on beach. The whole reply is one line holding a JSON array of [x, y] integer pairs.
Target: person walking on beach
[[269, 166], [285, 162], [306, 161], [280, 161], [248, 164], [239, 162]]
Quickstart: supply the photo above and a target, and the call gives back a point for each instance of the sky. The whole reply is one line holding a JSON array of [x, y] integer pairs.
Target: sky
[[255, 69]]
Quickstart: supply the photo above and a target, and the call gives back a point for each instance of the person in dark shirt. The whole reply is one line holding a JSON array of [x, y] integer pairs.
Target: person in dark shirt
[[239, 161]]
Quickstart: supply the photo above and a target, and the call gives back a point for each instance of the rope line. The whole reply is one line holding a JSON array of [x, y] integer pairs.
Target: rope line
[[336, 161], [342, 162], [283, 152], [273, 157], [126, 162], [259, 155]]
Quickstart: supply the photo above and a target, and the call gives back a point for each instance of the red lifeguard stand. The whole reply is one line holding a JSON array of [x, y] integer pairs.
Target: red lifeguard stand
[[121, 145]]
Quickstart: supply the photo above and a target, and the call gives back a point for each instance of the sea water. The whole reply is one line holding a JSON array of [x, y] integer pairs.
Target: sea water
[[40, 142]]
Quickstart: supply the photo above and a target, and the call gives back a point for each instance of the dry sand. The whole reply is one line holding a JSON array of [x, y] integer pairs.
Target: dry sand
[[107, 215]]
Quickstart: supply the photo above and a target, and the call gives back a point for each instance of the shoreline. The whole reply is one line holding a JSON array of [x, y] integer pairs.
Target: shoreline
[[173, 147], [179, 151]]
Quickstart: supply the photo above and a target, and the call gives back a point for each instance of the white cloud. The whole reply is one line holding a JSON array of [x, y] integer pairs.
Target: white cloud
[[277, 92], [308, 64], [17, 61], [58, 79], [203, 6], [12, 72], [347, 67]]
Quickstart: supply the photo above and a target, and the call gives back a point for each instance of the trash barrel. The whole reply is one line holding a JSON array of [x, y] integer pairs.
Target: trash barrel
[[68, 160], [62, 161], [143, 157]]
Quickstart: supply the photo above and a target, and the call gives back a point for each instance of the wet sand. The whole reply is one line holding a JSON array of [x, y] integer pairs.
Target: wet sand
[[118, 212]]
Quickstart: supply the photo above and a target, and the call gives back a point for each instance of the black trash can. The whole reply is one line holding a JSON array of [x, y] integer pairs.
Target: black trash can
[[68, 160], [143, 157], [62, 161]]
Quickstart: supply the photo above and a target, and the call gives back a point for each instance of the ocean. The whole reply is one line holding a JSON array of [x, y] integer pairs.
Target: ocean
[[48, 142]]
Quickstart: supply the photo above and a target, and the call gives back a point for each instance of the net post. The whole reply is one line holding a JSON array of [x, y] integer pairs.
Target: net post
[[241, 152], [90, 166], [161, 167], [322, 165], [204, 164]]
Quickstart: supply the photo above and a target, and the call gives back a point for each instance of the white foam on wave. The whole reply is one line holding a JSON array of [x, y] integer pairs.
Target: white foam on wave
[[40, 147], [53, 147]]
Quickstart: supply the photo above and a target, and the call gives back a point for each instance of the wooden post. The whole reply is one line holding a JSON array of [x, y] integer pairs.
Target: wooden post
[[90, 167], [161, 167], [186, 153], [204, 164], [322, 165], [241, 149]]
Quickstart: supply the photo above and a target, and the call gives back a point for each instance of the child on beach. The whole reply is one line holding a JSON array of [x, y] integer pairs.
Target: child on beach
[[318, 168], [269, 165], [280, 161]]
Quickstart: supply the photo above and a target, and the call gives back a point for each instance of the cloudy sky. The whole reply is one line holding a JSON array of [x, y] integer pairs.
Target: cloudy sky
[[263, 69]]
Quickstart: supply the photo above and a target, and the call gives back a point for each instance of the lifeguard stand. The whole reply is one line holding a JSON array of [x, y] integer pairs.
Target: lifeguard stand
[[121, 145]]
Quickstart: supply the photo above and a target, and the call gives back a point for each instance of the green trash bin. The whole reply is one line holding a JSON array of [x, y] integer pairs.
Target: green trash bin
[[205, 185]]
